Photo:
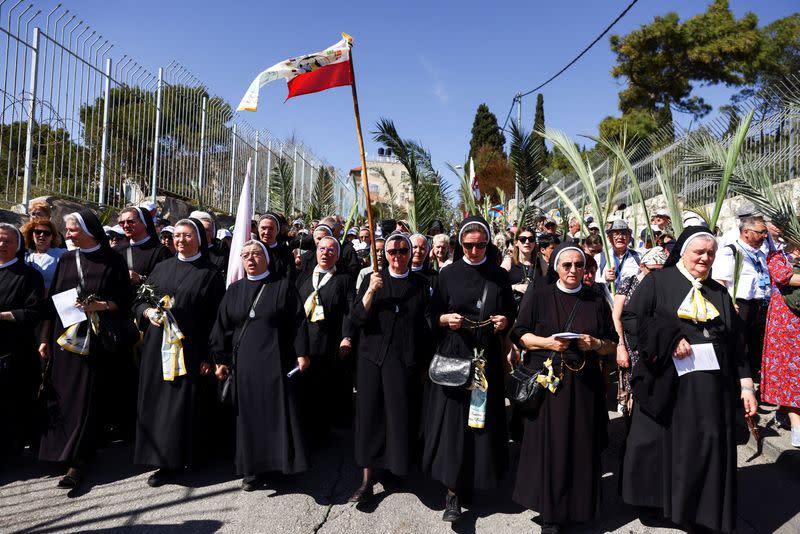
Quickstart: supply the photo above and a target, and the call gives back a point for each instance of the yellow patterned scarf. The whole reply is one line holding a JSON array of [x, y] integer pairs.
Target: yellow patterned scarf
[[695, 307], [312, 306], [172, 362], [76, 341]]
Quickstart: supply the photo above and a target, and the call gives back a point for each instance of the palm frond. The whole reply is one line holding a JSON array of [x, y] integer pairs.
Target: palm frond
[[392, 200], [671, 198], [281, 186], [322, 196], [526, 159], [465, 191]]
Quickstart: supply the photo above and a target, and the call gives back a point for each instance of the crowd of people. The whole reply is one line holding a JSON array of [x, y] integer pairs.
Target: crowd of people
[[128, 332]]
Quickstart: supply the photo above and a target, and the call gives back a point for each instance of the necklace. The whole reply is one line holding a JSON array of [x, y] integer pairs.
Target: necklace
[[477, 324]]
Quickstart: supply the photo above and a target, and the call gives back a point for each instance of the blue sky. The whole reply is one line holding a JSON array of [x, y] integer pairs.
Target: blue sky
[[426, 65]]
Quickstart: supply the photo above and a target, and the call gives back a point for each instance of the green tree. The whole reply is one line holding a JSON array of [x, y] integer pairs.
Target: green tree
[[485, 132], [662, 60], [640, 124], [540, 147]]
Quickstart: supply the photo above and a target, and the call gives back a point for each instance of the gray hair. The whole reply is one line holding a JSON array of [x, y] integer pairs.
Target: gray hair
[[749, 223], [441, 238]]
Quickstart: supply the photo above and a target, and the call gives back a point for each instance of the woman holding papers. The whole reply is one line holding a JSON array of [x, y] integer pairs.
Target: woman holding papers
[[79, 364], [177, 317], [260, 336], [559, 468], [464, 428], [680, 454]]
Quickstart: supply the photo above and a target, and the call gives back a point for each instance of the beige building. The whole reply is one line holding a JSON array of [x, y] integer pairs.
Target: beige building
[[395, 174]]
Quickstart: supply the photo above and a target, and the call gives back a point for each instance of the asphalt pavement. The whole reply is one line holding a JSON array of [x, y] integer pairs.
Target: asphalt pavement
[[115, 498]]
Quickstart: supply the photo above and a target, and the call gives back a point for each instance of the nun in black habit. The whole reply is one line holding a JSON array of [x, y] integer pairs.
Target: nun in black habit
[[281, 259], [472, 308], [327, 295], [559, 468], [80, 375], [270, 342], [391, 313], [21, 296], [175, 357], [680, 455], [144, 249]]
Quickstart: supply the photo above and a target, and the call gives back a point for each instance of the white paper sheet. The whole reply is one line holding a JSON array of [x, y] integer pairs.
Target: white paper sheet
[[65, 306], [567, 335], [703, 358]]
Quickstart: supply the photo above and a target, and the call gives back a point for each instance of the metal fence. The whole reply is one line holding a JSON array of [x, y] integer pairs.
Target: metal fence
[[78, 123], [773, 141]]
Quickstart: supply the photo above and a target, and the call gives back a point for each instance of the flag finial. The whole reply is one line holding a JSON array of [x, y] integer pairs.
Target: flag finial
[[347, 38]]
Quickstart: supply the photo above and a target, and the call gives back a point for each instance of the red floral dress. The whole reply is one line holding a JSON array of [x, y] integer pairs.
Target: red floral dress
[[780, 367]]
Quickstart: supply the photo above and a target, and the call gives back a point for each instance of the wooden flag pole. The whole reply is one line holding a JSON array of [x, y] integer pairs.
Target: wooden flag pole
[[364, 172]]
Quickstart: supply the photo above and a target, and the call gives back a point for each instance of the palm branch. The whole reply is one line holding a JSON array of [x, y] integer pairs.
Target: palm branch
[[392, 197], [281, 186], [526, 158], [671, 198], [353, 215], [465, 190], [322, 196]]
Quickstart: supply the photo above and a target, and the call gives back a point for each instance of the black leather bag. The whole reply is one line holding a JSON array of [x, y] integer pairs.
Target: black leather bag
[[450, 369], [523, 388], [226, 389]]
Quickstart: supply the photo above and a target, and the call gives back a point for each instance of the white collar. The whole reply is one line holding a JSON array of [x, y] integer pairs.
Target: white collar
[[190, 258], [91, 249], [404, 275], [466, 260], [563, 289], [417, 269], [747, 247], [275, 244], [319, 269], [137, 243], [9, 263], [258, 276]]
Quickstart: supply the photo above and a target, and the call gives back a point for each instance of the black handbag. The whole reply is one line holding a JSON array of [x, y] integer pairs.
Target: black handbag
[[523, 388], [454, 370], [226, 389]]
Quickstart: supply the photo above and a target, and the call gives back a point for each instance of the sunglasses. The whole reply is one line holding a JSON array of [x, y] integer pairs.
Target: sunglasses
[[526, 239], [46, 233], [396, 251], [129, 222], [567, 265], [479, 246]]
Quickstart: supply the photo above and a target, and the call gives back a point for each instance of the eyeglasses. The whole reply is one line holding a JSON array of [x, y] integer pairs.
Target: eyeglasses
[[759, 232], [526, 238], [248, 255], [396, 251], [129, 222], [567, 265], [326, 250], [45, 233], [479, 246]]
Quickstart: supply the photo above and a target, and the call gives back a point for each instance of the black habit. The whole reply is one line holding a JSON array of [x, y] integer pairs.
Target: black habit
[[394, 349], [559, 468], [81, 384], [281, 260], [455, 454], [142, 258], [21, 293], [268, 424], [687, 468], [169, 424], [328, 384]]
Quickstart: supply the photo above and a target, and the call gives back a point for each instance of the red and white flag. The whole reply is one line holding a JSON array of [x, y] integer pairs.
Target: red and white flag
[[473, 181], [305, 74], [241, 231]]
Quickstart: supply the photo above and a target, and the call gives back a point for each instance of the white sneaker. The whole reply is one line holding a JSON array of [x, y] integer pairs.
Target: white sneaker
[[796, 436]]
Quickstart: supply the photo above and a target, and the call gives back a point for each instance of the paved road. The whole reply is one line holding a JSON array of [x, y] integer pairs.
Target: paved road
[[116, 499]]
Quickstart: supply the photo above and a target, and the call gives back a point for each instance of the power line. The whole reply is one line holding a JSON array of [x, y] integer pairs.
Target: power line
[[519, 96]]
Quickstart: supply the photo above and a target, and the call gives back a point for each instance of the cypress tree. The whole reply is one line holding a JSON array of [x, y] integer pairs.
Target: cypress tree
[[485, 132], [538, 126]]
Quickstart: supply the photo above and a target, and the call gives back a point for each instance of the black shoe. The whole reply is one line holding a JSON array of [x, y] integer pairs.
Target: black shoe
[[452, 509], [253, 483], [71, 480], [362, 494], [160, 477], [549, 528]]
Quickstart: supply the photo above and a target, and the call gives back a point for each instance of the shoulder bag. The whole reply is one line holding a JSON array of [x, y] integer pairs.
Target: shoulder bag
[[523, 388], [453, 370], [227, 388]]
